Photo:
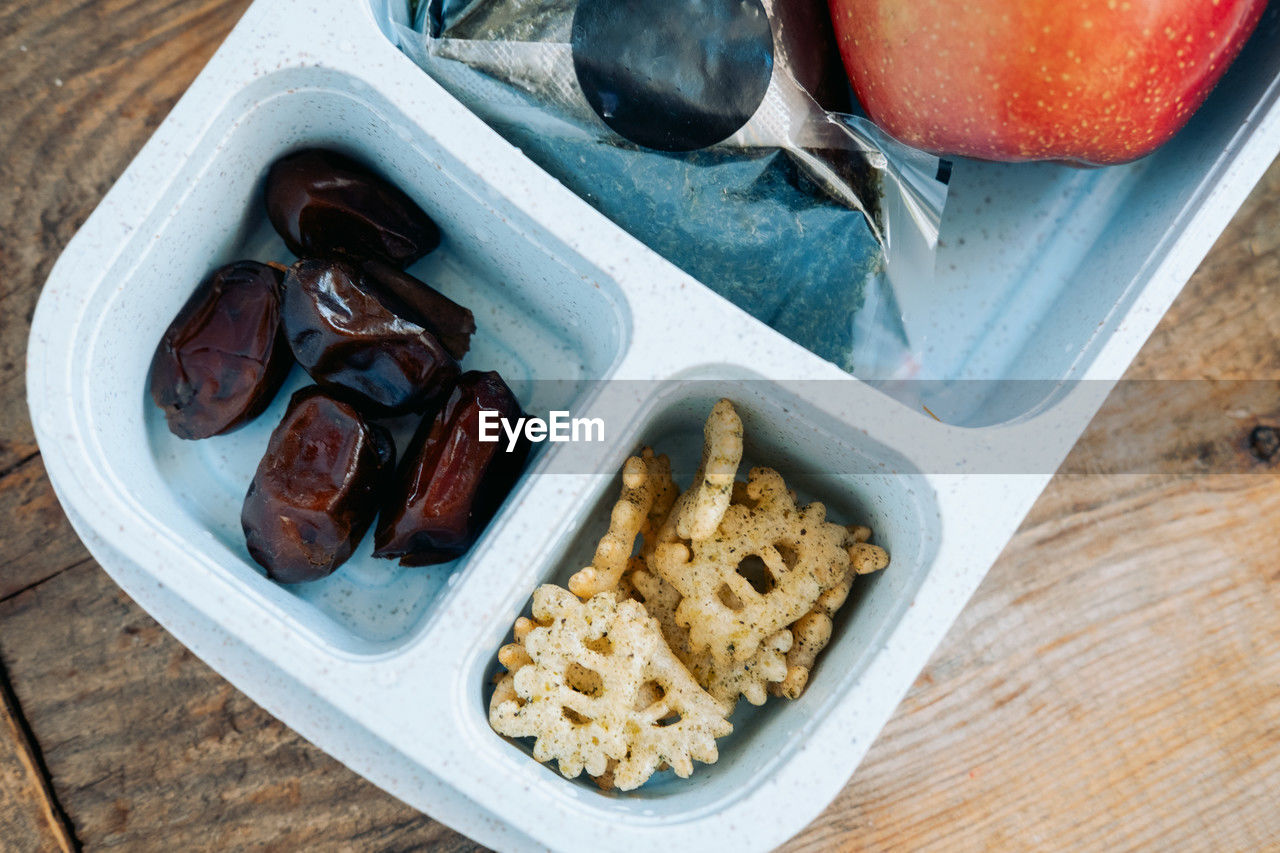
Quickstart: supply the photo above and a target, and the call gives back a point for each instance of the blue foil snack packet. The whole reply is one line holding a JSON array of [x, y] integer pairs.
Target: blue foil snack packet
[[717, 133]]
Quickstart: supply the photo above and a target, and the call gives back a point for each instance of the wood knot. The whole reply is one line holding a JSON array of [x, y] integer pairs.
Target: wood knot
[[1264, 443]]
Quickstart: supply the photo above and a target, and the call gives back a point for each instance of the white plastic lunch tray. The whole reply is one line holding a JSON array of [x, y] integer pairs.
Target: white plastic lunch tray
[[1049, 273]]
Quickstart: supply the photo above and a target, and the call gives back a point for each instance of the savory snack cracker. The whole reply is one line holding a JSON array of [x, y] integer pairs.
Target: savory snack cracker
[[698, 511], [724, 681], [812, 632], [647, 494], [802, 553], [588, 665], [691, 600]]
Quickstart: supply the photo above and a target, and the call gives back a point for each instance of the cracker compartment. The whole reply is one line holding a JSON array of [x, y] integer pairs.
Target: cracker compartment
[[847, 473]]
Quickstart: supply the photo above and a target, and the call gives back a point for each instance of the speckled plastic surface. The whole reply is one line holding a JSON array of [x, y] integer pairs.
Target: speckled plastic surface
[[387, 668]]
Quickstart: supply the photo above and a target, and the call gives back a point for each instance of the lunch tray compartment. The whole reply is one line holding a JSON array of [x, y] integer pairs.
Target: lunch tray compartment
[[1038, 264], [537, 320], [820, 459]]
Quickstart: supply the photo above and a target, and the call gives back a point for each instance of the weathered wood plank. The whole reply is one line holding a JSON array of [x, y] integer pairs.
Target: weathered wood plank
[[150, 750], [84, 85], [30, 820], [38, 540], [1116, 680]]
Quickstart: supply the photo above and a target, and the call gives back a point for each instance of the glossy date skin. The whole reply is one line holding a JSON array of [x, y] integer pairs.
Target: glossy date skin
[[324, 204], [449, 483], [224, 356], [410, 297], [347, 333], [315, 493]]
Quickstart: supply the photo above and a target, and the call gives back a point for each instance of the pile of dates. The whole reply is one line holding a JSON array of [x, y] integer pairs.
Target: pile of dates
[[379, 343]]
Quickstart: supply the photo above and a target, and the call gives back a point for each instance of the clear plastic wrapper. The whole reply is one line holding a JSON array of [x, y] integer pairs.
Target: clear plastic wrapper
[[719, 134]]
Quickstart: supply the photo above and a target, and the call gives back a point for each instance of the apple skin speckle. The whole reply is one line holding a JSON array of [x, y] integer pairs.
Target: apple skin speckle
[[1094, 82]]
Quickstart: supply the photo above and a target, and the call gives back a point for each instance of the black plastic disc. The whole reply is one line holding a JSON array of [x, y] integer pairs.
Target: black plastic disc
[[675, 75]]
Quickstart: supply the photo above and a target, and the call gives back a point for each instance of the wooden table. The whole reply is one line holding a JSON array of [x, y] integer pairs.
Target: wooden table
[[1114, 683]]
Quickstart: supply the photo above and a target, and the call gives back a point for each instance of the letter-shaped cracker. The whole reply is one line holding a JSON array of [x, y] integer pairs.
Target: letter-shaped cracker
[[698, 511], [802, 553], [724, 681], [811, 633], [665, 494], [647, 495], [589, 665]]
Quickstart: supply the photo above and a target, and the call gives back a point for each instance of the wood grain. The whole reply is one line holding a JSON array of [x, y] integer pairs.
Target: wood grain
[[147, 748], [39, 541], [30, 819], [84, 85], [1104, 690], [1115, 683], [150, 750]]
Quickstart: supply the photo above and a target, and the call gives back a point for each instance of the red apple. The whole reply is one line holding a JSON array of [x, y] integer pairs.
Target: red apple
[[1086, 81]]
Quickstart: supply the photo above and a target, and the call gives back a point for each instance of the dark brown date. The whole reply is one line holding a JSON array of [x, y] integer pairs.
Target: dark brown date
[[449, 483], [428, 307], [316, 490], [348, 332], [224, 356], [325, 204]]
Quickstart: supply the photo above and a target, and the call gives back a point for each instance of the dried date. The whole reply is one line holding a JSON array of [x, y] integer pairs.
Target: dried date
[[410, 297], [324, 204], [315, 493], [347, 331], [450, 483], [224, 356]]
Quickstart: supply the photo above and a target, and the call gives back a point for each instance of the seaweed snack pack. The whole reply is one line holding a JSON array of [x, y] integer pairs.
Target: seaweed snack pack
[[717, 133]]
